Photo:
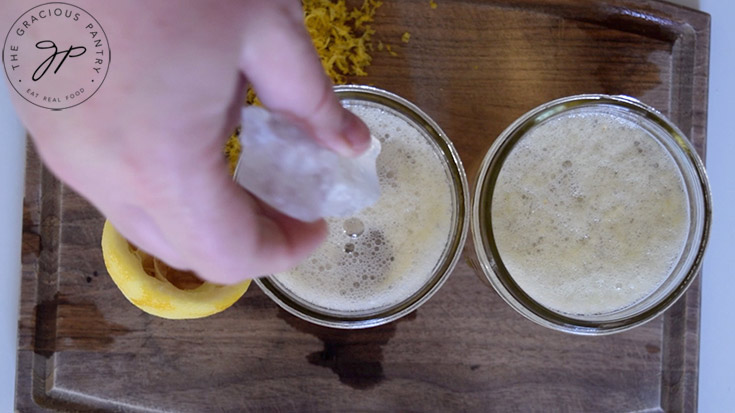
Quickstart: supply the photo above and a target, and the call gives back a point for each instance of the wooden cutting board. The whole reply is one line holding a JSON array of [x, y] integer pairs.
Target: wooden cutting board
[[474, 66]]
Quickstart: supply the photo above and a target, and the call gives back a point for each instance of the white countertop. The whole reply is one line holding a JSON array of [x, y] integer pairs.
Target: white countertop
[[12, 163], [717, 358], [717, 338]]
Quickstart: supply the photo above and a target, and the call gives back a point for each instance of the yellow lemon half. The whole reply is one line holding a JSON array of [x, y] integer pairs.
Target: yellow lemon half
[[158, 289]]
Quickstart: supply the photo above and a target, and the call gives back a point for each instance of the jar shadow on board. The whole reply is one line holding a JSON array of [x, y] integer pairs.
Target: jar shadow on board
[[390, 258], [590, 214]]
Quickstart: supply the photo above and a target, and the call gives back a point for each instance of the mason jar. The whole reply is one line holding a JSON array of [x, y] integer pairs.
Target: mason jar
[[389, 259], [590, 214]]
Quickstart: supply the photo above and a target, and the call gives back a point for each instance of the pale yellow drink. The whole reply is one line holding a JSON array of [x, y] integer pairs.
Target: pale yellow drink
[[388, 252], [589, 213]]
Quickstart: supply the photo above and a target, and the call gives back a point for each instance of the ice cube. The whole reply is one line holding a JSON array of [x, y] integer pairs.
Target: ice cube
[[283, 166]]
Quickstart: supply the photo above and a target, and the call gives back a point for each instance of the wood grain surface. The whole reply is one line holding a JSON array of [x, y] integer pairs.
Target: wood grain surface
[[474, 66]]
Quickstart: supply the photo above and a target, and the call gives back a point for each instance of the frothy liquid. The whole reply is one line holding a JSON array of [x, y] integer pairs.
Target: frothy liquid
[[386, 253], [589, 213]]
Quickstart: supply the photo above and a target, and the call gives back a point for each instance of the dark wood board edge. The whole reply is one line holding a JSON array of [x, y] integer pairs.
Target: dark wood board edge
[[680, 369], [36, 326], [34, 375]]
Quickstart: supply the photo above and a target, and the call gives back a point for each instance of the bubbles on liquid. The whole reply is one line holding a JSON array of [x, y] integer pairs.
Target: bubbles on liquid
[[366, 255], [353, 227], [364, 267], [594, 185]]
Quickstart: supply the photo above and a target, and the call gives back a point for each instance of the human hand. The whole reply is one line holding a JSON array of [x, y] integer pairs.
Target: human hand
[[146, 149]]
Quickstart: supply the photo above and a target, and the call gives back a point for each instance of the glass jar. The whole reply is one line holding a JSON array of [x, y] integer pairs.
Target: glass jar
[[568, 249], [384, 263]]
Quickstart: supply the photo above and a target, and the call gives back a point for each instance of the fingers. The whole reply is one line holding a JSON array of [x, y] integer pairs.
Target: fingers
[[302, 238], [223, 234], [138, 227], [153, 161], [219, 232], [284, 69]]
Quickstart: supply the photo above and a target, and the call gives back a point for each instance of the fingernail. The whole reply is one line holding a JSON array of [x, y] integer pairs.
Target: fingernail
[[355, 132]]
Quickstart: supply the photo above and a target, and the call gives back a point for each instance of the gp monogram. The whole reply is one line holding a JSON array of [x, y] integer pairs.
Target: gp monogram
[[56, 55]]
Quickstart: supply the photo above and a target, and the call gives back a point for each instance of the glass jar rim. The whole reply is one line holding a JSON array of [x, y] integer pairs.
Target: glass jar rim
[[695, 179], [455, 241]]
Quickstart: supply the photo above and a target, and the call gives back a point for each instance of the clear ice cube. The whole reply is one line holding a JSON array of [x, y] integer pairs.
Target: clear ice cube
[[283, 166]]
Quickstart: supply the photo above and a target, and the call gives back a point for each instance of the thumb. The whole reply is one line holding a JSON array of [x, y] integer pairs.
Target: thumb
[[280, 61], [224, 234]]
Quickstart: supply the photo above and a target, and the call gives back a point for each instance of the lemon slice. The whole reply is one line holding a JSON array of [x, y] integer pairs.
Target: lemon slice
[[158, 289]]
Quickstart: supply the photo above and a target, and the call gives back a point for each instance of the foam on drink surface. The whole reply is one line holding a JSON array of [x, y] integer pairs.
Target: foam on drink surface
[[387, 252], [589, 213]]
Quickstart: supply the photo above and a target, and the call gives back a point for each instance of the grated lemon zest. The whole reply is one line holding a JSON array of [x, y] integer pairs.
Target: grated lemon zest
[[342, 39]]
